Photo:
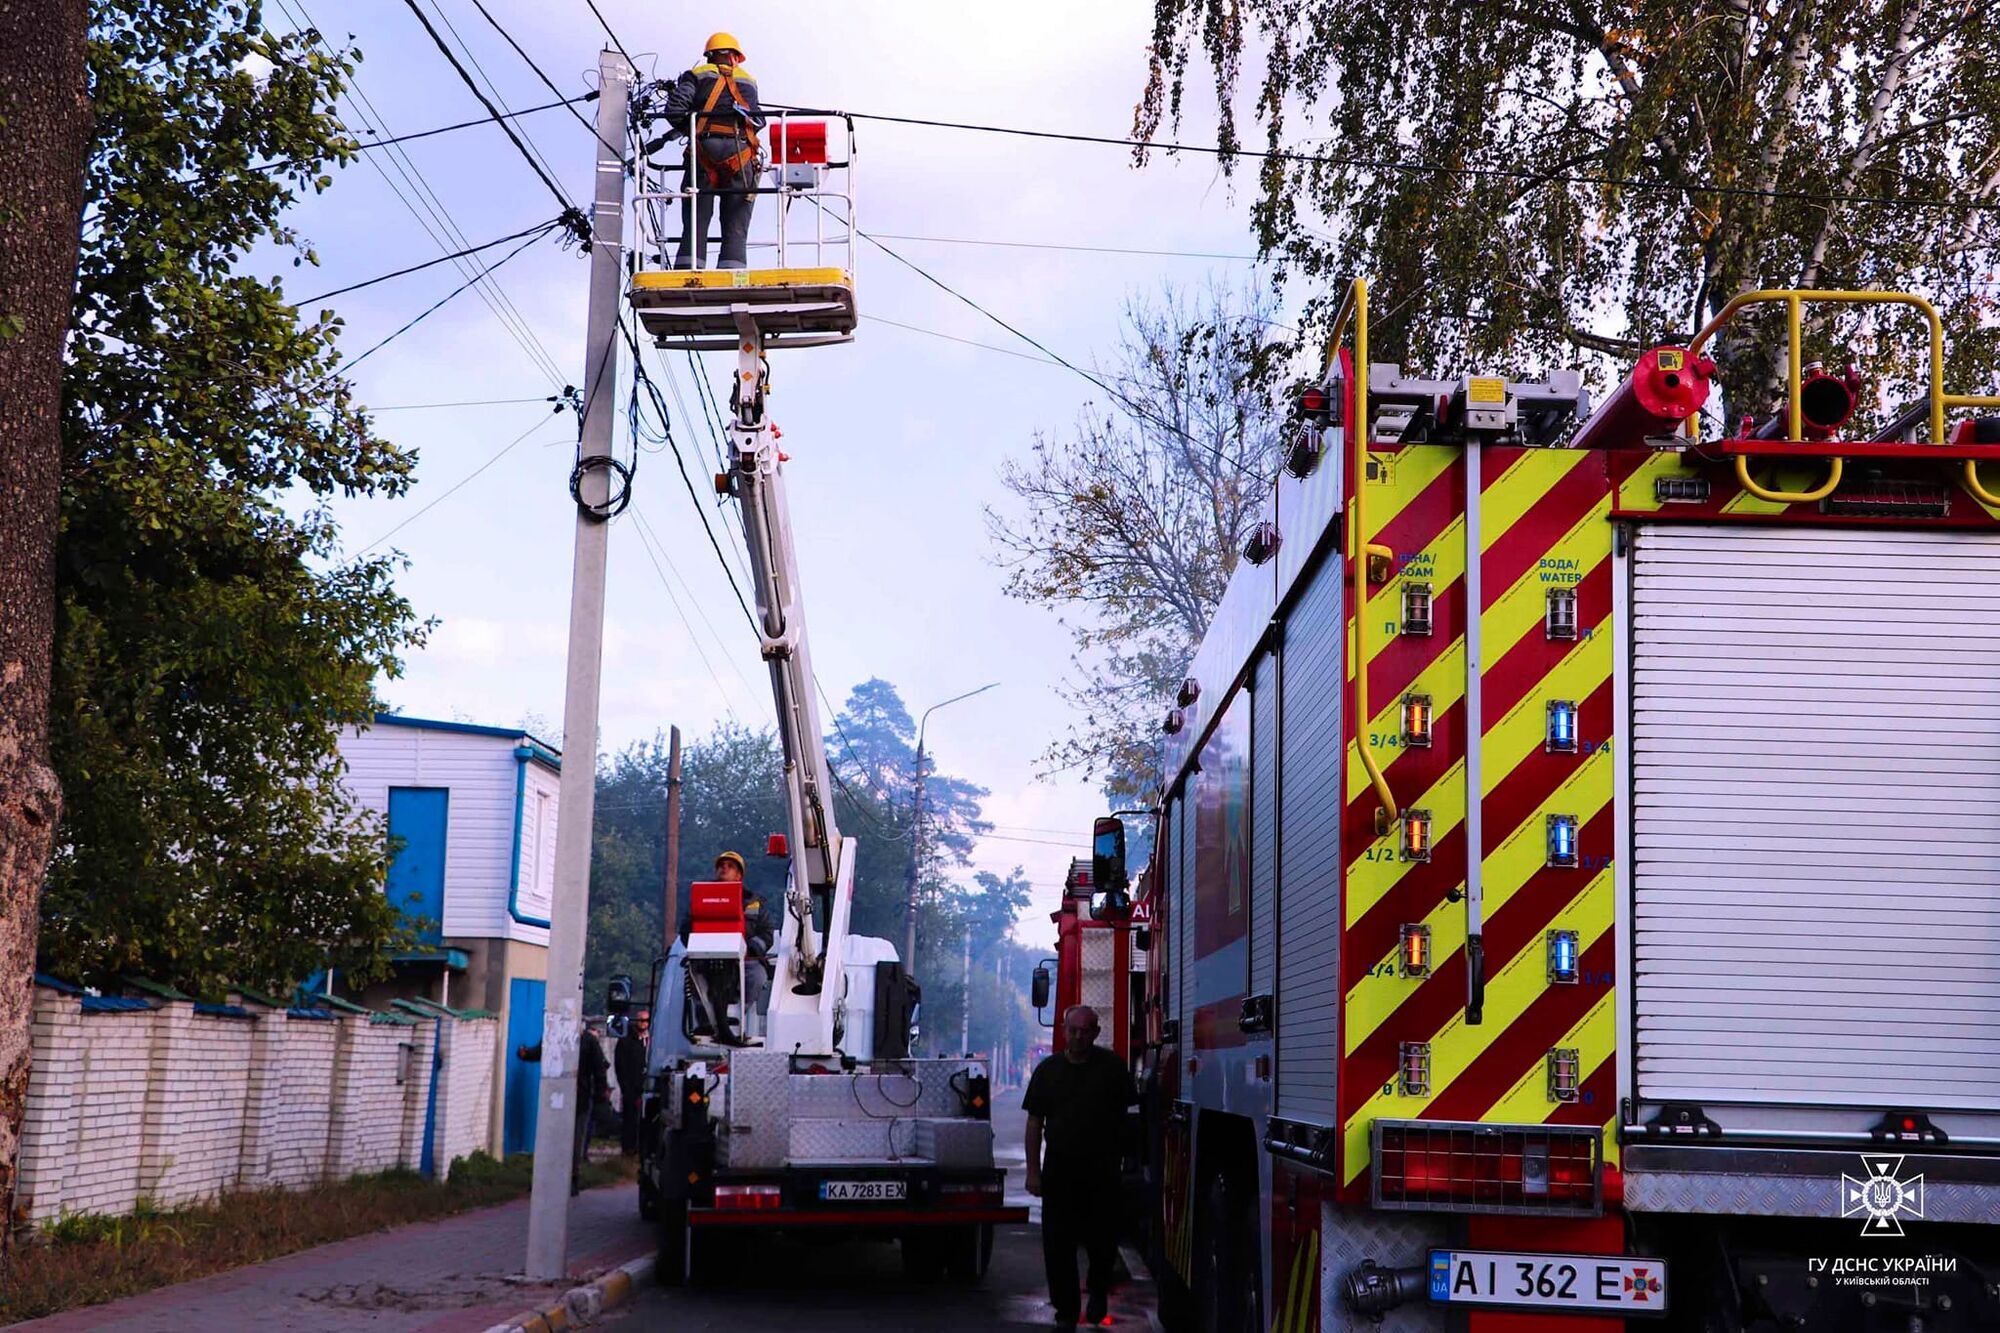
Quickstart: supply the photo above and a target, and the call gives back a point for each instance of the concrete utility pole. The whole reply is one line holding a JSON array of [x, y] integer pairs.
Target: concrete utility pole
[[965, 1005], [670, 887], [562, 1019]]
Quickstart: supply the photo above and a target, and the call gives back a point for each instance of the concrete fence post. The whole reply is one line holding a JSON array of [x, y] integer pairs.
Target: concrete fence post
[[55, 1104]]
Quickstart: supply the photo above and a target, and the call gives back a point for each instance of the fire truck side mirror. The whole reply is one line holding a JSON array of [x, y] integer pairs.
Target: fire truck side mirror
[[1107, 861], [1038, 990]]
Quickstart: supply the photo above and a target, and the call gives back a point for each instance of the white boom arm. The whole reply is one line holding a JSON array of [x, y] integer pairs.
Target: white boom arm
[[806, 988]]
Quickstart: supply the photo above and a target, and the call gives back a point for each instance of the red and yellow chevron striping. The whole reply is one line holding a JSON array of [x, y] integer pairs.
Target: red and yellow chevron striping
[[1544, 530]]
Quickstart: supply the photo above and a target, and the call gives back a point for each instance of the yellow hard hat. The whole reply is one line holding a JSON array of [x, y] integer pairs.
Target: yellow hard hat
[[721, 41], [737, 857]]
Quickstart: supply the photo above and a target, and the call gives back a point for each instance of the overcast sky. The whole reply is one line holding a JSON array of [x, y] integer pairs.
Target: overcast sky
[[896, 440]]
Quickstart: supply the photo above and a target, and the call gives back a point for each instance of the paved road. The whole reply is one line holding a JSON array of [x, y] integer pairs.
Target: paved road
[[859, 1287]]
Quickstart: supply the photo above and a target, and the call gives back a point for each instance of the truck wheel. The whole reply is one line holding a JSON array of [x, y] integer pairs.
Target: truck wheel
[[649, 1198], [1229, 1295], [968, 1252], [671, 1225]]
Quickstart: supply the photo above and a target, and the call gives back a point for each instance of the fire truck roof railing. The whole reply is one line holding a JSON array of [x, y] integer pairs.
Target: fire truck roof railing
[[1795, 300]]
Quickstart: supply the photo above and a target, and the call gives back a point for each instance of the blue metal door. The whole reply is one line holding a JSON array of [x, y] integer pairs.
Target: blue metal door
[[524, 1077], [418, 817]]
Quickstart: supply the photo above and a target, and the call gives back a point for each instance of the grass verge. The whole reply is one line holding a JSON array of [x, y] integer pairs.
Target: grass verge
[[82, 1259]]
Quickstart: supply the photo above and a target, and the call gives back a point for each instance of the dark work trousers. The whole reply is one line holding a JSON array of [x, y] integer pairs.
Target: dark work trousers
[[732, 189], [628, 1128], [585, 1105], [1078, 1208]]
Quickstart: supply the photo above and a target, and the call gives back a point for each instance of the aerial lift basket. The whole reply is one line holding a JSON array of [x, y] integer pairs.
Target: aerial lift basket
[[799, 288]]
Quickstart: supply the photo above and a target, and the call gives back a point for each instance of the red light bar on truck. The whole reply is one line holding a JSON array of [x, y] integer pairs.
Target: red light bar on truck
[[749, 1197], [1464, 1167]]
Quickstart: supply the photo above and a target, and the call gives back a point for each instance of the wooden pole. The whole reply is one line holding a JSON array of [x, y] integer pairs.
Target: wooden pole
[[670, 899]]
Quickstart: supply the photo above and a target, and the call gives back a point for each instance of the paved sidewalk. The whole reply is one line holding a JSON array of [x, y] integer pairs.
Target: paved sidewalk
[[456, 1274]]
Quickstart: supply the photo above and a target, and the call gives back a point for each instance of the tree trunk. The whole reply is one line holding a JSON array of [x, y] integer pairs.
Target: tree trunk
[[44, 136]]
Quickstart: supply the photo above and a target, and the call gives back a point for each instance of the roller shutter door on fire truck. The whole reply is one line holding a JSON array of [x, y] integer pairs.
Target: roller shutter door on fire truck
[[1816, 816]]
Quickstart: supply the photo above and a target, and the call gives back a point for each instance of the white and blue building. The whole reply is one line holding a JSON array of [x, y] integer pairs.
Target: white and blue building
[[472, 812]]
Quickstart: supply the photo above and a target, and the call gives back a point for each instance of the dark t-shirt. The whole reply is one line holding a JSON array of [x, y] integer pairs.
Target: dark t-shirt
[[1082, 1107]]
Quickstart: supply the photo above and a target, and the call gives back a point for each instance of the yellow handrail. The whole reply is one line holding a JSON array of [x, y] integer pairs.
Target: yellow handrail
[[1979, 492], [1794, 302], [1355, 306], [1749, 484]]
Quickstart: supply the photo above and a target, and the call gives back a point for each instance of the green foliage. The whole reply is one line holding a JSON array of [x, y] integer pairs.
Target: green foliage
[[211, 640], [1130, 524], [1536, 244]]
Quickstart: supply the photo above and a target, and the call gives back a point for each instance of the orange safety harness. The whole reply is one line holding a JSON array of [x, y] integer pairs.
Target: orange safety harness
[[738, 125]]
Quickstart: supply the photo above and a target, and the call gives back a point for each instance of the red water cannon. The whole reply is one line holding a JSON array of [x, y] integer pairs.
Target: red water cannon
[[1826, 403], [1665, 388]]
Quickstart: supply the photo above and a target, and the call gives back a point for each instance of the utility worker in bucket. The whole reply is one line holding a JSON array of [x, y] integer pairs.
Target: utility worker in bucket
[[723, 158], [758, 938]]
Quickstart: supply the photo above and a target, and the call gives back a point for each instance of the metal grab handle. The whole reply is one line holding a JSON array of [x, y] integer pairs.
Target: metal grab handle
[[1979, 492], [1355, 306], [1475, 967], [1833, 475]]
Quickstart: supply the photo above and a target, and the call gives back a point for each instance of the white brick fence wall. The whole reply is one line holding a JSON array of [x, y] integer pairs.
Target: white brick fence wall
[[176, 1103]]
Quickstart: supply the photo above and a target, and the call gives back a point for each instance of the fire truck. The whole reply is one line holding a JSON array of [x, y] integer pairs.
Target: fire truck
[[1102, 935], [1097, 937], [811, 1113], [1576, 893]]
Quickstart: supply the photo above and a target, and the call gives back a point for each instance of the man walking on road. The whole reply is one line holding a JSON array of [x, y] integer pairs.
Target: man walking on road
[[1076, 1104], [628, 1061]]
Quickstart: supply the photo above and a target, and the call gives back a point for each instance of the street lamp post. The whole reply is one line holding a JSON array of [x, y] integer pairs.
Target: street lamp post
[[917, 828]]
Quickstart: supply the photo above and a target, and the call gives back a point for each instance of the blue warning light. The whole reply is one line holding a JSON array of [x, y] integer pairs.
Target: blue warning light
[[1562, 840], [1562, 726], [1563, 957]]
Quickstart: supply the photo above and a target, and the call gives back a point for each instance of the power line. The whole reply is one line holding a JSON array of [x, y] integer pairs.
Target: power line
[[646, 541], [969, 342], [492, 84], [1422, 168], [430, 263], [1121, 399], [579, 225], [435, 306], [366, 144], [940, 284], [1058, 245], [612, 35], [428, 208], [616, 150], [661, 547], [701, 510], [717, 430], [455, 487], [468, 402]]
